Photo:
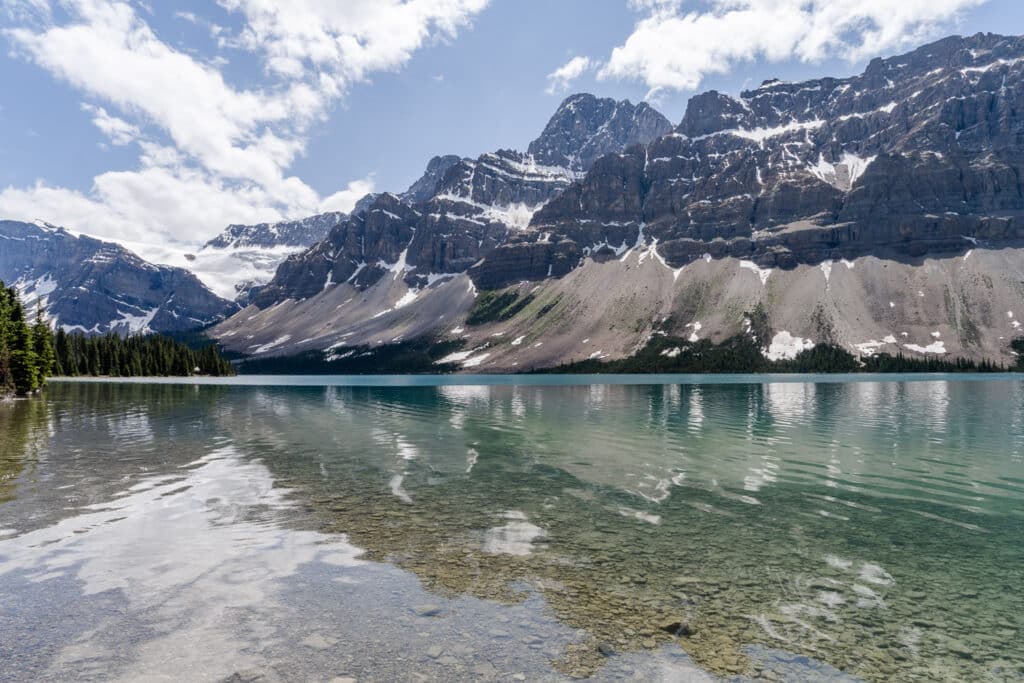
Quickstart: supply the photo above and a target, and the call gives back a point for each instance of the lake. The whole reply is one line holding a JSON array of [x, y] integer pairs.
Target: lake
[[530, 528]]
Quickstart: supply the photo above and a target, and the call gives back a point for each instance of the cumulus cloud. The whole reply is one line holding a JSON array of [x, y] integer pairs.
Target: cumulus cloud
[[345, 200], [118, 130], [561, 78], [211, 152], [673, 48], [347, 40]]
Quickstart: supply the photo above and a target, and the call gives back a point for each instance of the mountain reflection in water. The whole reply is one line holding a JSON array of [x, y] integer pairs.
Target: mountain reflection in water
[[764, 530]]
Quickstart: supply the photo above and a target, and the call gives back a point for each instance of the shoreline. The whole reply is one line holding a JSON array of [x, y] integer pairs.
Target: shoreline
[[384, 380]]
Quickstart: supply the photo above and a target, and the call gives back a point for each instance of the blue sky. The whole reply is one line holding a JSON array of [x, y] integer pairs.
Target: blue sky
[[157, 123]]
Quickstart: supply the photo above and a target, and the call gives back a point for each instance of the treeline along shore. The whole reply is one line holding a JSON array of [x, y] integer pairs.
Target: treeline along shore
[[31, 352]]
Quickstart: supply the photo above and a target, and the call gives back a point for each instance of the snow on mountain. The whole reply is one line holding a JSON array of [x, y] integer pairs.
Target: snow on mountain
[[98, 287], [614, 225]]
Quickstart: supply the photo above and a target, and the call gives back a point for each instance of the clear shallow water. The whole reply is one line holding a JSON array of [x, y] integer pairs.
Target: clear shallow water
[[800, 531]]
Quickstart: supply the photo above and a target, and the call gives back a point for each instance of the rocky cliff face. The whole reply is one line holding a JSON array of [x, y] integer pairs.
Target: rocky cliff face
[[476, 205], [586, 128], [300, 233], [424, 188], [922, 153], [98, 287], [902, 172], [460, 210]]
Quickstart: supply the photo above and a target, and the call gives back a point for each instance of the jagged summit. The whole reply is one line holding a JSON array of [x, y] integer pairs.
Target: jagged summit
[[297, 233], [585, 127], [885, 82], [425, 186], [906, 177]]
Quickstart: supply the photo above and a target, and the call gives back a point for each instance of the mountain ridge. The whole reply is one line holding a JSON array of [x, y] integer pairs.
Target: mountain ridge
[[85, 284], [902, 172]]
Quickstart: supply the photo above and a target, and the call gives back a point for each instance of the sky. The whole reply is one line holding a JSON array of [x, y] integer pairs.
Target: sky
[[157, 123]]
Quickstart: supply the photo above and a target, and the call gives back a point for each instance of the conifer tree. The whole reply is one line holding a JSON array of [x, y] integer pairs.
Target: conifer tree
[[42, 344]]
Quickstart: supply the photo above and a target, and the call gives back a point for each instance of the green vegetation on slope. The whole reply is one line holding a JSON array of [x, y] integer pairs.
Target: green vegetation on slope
[[1017, 346], [497, 306], [670, 355]]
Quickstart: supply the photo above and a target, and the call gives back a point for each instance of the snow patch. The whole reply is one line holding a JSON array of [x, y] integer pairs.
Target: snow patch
[[456, 357], [762, 134], [475, 360], [762, 273], [934, 347], [785, 346], [137, 324], [407, 298], [277, 342], [517, 216], [842, 174], [870, 348], [399, 267]]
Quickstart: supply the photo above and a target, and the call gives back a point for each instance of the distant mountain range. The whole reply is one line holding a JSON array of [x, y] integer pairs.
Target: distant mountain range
[[882, 213], [244, 257], [97, 287]]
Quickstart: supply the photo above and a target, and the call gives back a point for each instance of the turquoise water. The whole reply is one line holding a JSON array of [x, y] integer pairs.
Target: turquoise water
[[715, 527]]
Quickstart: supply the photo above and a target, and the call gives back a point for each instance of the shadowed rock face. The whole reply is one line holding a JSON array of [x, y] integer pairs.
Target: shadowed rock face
[[462, 210], [424, 188], [586, 128], [919, 156], [101, 287], [921, 153]]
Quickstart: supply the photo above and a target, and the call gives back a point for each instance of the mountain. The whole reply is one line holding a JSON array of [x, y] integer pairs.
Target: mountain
[[98, 287], [300, 233], [882, 213], [244, 257], [423, 189], [473, 208], [917, 155], [585, 128]]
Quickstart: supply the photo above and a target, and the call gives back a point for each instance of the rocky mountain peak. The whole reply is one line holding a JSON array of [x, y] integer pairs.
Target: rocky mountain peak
[[585, 127], [99, 287], [424, 187], [297, 233], [804, 196], [711, 112]]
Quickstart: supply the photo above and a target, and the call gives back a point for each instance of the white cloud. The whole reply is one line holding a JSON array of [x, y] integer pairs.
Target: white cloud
[[348, 39], [210, 152], [673, 49], [345, 200], [561, 78], [118, 130]]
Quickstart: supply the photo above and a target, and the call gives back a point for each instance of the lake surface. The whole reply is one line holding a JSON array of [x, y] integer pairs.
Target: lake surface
[[727, 529]]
